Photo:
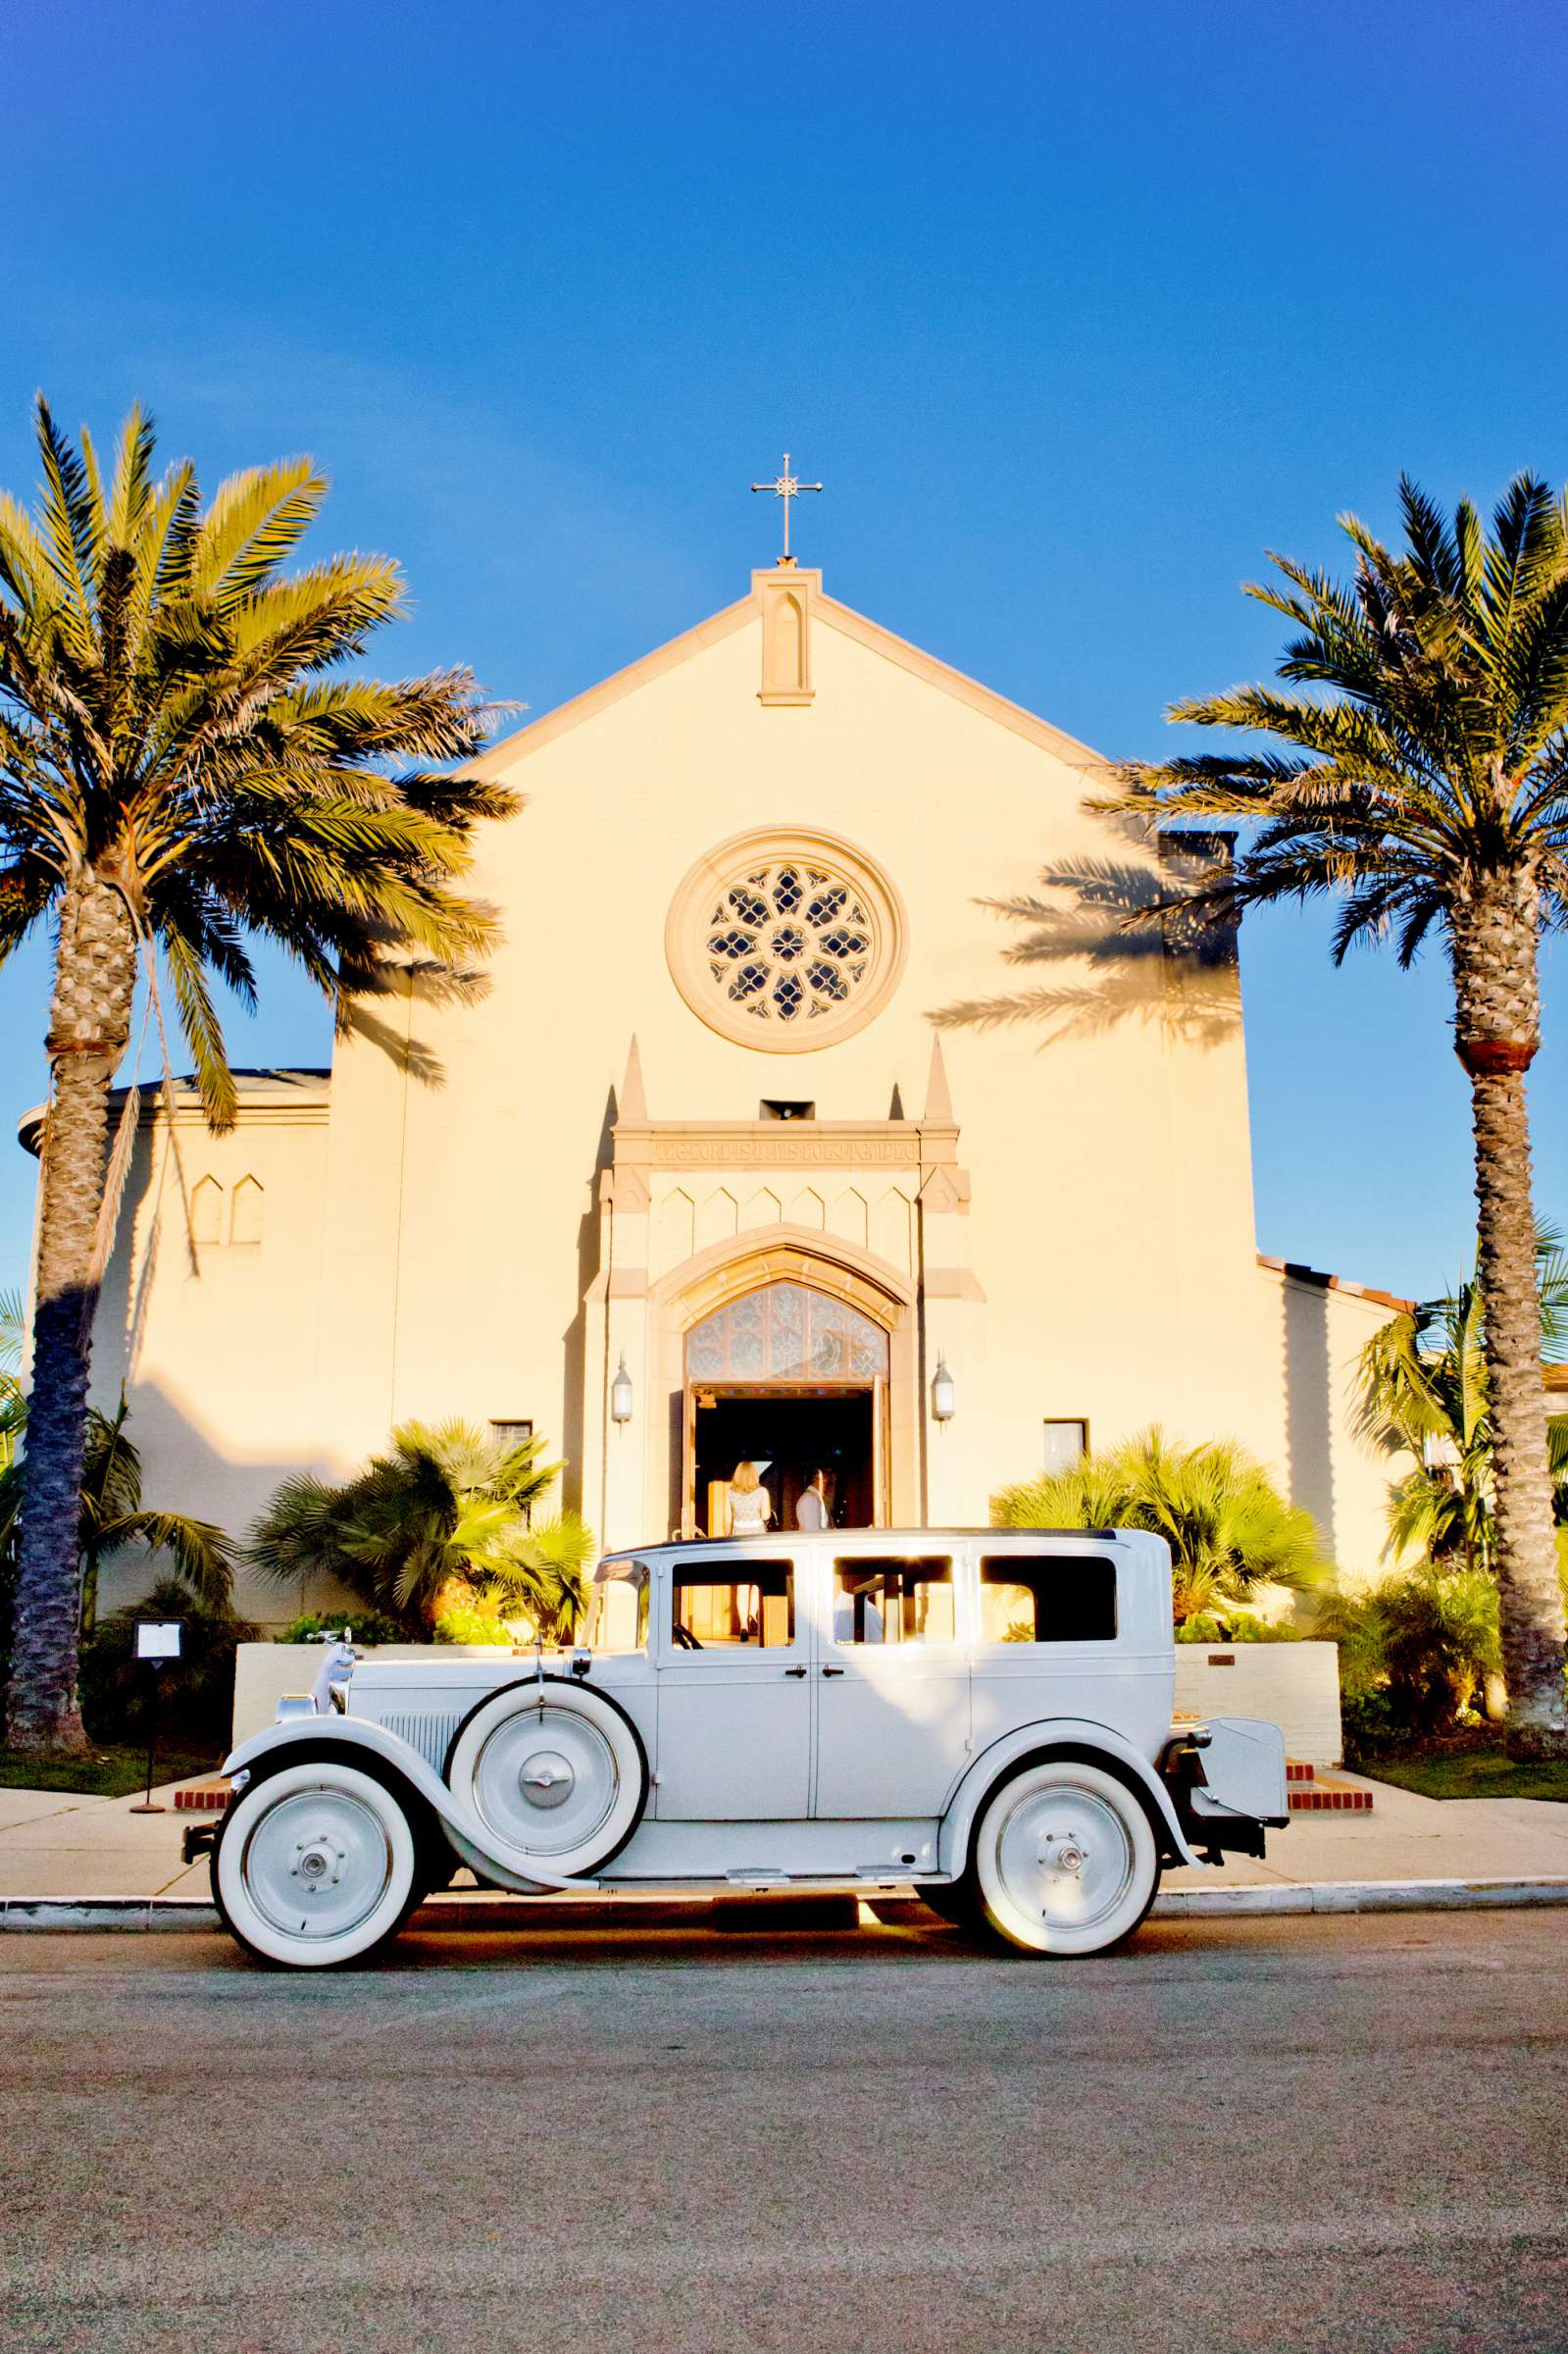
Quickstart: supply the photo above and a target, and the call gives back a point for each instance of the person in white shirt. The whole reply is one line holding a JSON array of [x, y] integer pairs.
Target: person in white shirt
[[811, 1506]]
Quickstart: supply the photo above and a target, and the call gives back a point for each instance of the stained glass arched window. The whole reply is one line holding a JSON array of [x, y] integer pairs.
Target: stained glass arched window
[[787, 1332]]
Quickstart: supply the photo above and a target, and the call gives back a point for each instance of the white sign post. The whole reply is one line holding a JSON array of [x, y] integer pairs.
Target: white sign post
[[157, 1641]]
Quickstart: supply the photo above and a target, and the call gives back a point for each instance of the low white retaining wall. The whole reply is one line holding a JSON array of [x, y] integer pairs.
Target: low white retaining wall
[[1293, 1685]]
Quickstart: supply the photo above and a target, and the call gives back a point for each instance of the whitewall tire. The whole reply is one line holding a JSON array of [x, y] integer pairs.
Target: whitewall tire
[[555, 1771], [316, 1866], [1065, 1858]]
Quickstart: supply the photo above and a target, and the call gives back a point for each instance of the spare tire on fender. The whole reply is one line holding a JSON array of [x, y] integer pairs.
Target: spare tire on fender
[[552, 1769]]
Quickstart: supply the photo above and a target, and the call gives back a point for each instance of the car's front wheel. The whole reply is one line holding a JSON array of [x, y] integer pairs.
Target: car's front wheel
[[1065, 1858], [316, 1866]]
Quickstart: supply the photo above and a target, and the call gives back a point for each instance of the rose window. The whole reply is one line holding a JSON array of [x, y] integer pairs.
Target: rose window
[[788, 941], [785, 941]]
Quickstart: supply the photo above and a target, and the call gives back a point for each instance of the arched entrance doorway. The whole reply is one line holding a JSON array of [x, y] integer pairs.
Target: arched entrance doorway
[[794, 1380]]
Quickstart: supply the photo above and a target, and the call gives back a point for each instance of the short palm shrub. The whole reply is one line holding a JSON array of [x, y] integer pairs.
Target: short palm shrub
[[445, 1518], [1231, 1532]]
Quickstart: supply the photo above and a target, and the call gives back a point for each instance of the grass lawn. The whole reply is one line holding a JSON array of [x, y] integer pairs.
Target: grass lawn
[[107, 1774], [1472, 1773]]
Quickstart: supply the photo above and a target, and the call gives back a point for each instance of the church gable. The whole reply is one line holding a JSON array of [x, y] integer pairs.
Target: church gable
[[784, 611]]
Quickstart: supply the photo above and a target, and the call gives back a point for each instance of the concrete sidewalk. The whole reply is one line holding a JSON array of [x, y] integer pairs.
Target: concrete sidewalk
[[56, 1845]]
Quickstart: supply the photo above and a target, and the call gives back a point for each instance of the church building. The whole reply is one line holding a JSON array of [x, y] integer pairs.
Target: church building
[[769, 1137]]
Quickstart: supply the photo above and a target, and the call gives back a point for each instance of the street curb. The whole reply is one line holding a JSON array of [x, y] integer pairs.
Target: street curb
[[1360, 1896], [177, 1913], [106, 1913]]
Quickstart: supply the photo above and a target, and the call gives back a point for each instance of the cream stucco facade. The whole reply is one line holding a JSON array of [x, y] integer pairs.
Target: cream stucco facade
[[770, 853]]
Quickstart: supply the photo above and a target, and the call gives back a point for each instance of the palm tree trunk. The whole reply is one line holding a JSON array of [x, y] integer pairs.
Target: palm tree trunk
[[1496, 1031], [89, 1024]]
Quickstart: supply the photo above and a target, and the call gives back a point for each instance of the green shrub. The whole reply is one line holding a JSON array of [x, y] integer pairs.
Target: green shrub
[[1369, 1726], [1415, 1652], [194, 1697], [476, 1621], [1441, 1642], [364, 1624], [1240, 1628]]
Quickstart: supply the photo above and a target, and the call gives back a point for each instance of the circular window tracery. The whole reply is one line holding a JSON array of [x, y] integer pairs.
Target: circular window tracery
[[785, 941]]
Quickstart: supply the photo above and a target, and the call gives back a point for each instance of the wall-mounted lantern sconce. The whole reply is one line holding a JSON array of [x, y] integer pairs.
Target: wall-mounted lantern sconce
[[944, 1397], [620, 1394]]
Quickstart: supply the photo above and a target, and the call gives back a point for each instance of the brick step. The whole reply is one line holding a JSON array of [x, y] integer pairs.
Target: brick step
[[1296, 1769], [1326, 1795], [203, 1798]]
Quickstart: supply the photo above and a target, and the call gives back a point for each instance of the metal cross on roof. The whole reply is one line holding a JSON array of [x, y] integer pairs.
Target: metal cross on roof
[[786, 487]]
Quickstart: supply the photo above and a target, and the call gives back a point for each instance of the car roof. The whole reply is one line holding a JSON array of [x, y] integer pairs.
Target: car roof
[[833, 1536]]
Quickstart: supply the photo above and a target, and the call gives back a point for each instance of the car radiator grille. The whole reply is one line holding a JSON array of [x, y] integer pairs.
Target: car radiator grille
[[429, 1730]]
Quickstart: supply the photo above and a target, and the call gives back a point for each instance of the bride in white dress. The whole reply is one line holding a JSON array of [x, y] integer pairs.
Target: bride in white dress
[[750, 1504], [750, 1511]]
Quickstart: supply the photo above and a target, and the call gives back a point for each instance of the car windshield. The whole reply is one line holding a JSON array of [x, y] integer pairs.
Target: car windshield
[[618, 1609]]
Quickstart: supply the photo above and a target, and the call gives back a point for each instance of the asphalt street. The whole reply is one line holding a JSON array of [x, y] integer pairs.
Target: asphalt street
[[1305, 2134]]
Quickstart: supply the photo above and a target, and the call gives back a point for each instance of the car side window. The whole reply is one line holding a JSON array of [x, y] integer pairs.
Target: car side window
[[720, 1603], [1047, 1598], [892, 1599], [618, 1609]]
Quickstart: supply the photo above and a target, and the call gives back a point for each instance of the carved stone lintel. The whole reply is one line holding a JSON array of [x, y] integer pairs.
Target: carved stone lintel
[[782, 1145]]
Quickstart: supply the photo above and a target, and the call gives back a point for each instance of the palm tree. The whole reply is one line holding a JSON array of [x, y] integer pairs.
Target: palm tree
[[1426, 786], [1228, 1529], [111, 1518], [448, 1507], [1423, 1390], [184, 766]]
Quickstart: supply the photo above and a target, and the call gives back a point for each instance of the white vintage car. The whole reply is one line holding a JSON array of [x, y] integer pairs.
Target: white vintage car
[[985, 1714]]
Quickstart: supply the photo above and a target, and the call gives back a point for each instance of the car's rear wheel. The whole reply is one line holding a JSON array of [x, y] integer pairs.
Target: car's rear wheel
[[554, 1770], [1065, 1858], [316, 1866]]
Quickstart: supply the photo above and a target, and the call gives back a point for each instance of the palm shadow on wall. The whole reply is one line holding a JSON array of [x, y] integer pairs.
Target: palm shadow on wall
[[1115, 940], [1103, 942]]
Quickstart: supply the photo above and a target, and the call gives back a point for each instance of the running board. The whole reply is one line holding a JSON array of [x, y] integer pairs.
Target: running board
[[759, 1882]]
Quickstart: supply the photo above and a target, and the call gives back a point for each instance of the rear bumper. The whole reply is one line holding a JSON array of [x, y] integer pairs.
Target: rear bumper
[[1215, 1827]]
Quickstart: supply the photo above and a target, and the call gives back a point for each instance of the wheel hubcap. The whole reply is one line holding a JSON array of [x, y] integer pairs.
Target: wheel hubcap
[[317, 1864], [545, 1780], [1065, 1858]]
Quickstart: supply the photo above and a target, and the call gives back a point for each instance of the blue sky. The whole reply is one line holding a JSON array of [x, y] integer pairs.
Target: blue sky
[[1076, 310]]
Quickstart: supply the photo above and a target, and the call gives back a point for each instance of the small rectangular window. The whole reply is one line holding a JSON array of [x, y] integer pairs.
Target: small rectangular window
[[510, 1435], [1066, 1443], [722, 1602], [618, 1609], [902, 1600], [1047, 1598]]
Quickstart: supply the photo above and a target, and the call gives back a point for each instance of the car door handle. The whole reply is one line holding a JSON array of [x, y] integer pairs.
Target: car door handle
[[833, 1671], [795, 1671]]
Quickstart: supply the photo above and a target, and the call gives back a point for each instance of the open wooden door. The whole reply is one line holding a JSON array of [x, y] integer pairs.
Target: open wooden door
[[879, 1452], [689, 1462]]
